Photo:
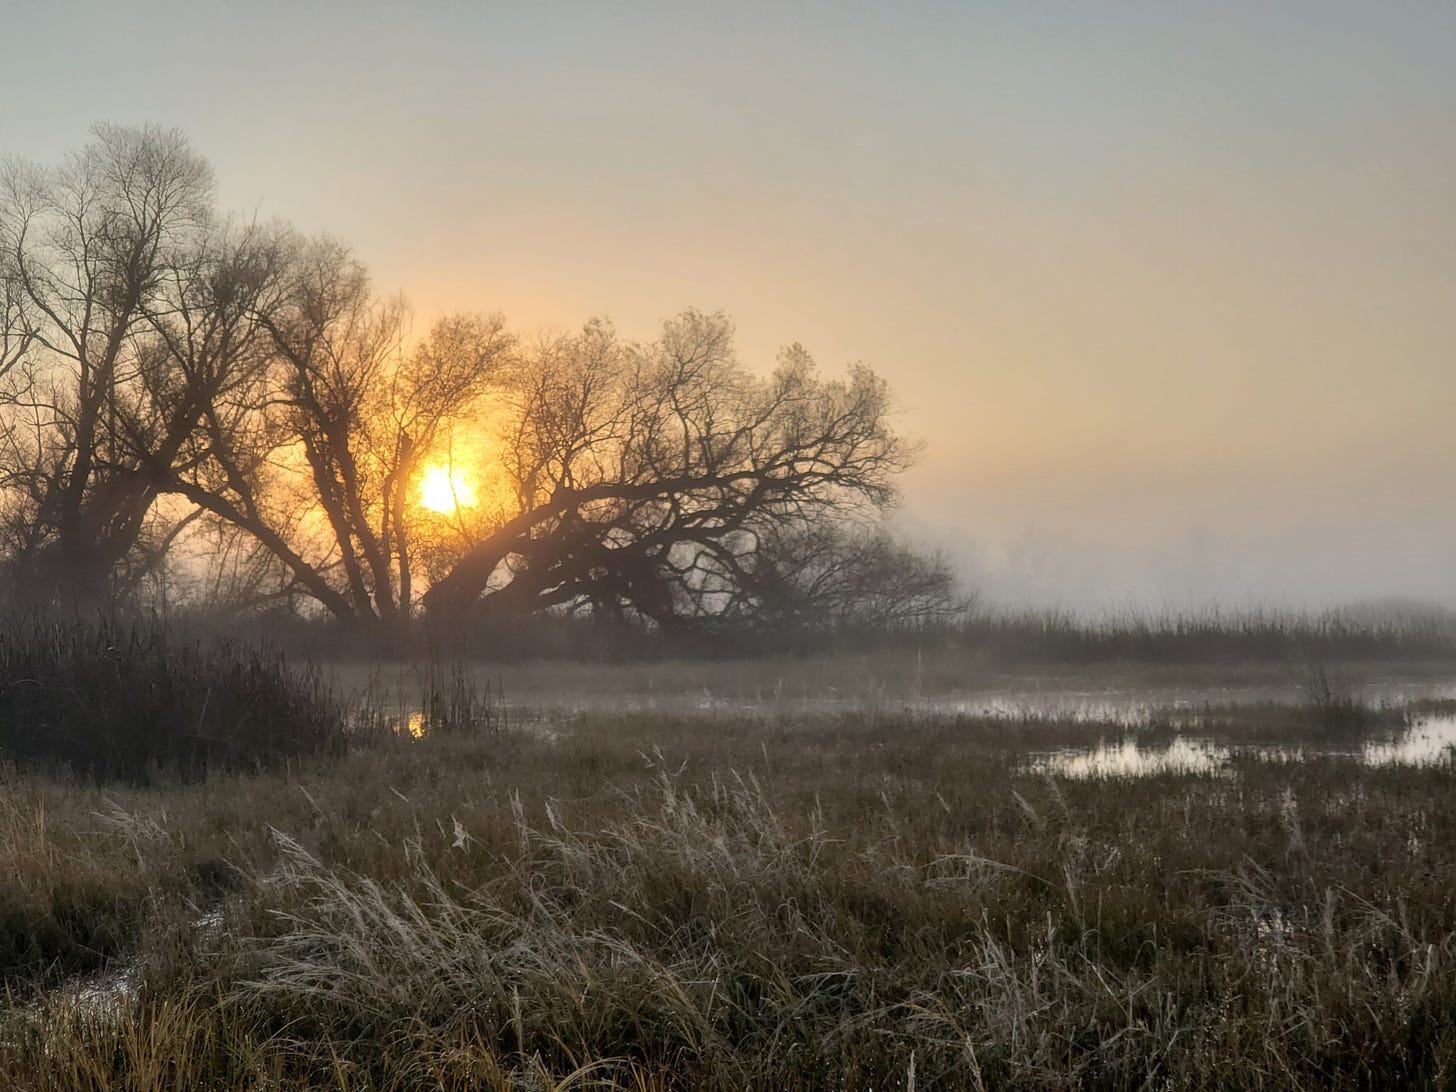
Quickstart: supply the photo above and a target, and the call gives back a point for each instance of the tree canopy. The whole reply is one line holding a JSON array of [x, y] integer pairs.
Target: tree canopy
[[182, 393]]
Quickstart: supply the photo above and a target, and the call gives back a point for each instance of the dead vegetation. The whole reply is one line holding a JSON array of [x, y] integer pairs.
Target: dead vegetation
[[663, 902]]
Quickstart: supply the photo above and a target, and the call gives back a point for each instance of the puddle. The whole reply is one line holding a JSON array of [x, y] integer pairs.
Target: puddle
[[110, 996], [1427, 742], [106, 998], [1127, 759]]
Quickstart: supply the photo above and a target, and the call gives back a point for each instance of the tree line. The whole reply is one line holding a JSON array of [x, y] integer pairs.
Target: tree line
[[200, 406]]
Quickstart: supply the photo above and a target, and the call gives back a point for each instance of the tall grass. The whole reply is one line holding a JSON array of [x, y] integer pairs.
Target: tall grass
[[130, 701], [886, 902], [429, 697]]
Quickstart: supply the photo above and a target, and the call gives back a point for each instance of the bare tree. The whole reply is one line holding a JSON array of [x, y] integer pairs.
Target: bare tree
[[165, 374], [319, 457], [837, 576], [95, 254], [648, 475]]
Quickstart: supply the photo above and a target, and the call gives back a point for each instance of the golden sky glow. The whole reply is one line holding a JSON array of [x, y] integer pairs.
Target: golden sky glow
[[1165, 288]]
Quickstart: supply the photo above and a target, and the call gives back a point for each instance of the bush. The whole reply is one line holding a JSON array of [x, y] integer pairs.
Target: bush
[[109, 700]]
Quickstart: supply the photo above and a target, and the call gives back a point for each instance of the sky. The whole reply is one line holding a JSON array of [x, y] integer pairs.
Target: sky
[[1167, 290]]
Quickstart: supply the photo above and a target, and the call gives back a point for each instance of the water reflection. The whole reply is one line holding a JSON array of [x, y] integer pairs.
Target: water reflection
[[1427, 742], [1127, 759], [412, 726]]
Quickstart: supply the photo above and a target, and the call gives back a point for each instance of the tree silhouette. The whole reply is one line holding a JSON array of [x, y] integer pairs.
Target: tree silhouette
[[648, 476], [318, 462], [97, 257], [167, 375]]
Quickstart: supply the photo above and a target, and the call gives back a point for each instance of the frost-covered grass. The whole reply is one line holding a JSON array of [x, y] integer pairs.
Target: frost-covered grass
[[869, 901]]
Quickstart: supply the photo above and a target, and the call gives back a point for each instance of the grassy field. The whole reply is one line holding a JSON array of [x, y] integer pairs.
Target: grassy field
[[867, 900]]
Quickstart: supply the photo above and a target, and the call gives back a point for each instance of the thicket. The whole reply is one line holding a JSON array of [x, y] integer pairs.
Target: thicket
[[134, 701]]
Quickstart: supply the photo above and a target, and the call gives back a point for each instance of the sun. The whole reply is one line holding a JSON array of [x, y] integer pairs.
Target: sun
[[446, 489]]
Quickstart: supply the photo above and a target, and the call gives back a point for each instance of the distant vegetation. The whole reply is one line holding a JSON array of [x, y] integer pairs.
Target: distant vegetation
[[1397, 633], [1010, 637]]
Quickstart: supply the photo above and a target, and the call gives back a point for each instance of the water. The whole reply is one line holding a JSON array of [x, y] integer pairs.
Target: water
[[1127, 759], [1132, 706], [110, 996], [1428, 741]]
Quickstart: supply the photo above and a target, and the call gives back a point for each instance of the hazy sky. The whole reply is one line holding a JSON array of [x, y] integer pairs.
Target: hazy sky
[[1169, 289]]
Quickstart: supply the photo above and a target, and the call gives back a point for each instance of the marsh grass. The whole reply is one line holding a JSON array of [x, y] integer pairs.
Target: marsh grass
[[1333, 705], [452, 702], [1004, 637], [660, 902], [130, 701], [429, 696]]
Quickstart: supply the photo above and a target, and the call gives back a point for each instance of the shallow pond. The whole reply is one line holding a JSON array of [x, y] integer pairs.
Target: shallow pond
[[1427, 741]]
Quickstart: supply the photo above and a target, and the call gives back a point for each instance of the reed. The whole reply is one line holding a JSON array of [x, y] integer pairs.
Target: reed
[[129, 700]]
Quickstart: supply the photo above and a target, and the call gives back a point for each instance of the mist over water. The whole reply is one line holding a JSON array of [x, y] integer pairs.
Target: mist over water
[[1063, 569], [1046, 556]]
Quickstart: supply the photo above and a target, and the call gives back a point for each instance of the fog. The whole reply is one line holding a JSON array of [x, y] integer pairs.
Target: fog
[[1165, 291], [1201, 568], [1239, 542]]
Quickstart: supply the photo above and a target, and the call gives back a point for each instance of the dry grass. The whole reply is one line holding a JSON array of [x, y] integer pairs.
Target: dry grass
[[670, 903]]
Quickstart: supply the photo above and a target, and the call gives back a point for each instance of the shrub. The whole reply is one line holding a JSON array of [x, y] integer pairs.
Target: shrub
[[110, 700]]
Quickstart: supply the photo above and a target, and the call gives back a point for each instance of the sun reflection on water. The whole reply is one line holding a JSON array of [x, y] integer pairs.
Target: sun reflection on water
[[412, 726]]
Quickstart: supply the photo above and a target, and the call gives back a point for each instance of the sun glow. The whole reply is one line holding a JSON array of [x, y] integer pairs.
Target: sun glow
[[446, 489]]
